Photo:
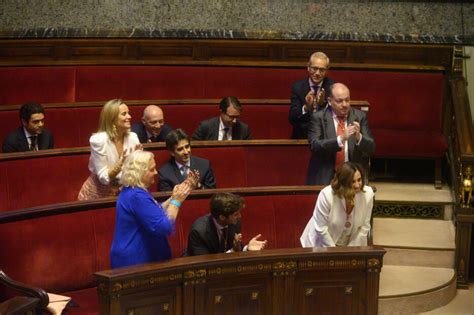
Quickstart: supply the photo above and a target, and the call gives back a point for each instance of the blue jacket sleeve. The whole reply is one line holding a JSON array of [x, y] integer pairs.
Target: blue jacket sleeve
[[151, 215]]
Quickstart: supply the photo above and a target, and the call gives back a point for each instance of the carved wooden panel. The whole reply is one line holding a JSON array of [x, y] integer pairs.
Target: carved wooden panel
[[261, 53], [281, 281]]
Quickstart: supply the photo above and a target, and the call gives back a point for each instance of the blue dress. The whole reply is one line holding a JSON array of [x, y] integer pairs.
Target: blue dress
[[141, 229]]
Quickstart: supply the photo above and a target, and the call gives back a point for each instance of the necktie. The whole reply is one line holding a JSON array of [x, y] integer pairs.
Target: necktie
[[184, 171], [33, 142], [225, 133], [340, 155], [223, 242]]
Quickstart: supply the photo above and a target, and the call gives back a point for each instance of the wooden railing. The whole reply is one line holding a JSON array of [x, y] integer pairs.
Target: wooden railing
[[281, 281], [461, 155]]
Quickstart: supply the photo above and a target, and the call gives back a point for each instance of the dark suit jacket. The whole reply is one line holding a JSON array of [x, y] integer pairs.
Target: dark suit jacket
[[140, 130], [17, 142], [295, 116], [323, 142], [209, 130], [203, 238], [170, 175]]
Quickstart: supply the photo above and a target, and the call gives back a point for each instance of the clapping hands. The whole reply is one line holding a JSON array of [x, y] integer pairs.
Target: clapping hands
[[193, 179]]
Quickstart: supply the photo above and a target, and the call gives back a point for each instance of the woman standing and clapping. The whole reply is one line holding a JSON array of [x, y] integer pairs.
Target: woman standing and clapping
[[143, 224], [109, 146]]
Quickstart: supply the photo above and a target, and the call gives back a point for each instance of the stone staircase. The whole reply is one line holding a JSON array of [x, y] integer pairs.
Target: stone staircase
[[413, 223]]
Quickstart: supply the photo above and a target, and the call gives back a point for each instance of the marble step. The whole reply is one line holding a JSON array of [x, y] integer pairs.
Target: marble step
[[411, 192], [415, 289], [414, 233], [443, 258]]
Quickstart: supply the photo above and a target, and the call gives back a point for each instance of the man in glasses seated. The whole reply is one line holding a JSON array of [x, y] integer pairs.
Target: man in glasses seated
[[309, 95], [226, 126]]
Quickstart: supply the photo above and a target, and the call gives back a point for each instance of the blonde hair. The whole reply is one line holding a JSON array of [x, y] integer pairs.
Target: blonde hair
[[134, 167], [108, 117]]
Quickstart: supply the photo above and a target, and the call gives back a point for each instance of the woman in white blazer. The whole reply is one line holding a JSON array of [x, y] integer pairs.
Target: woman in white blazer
[[342, 213], [109, 146]]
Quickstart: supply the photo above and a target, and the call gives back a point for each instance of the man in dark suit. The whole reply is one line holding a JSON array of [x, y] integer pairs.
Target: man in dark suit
[[225, 127], [309, 95], [32, 135], [152, 128], [337, 134], [219, 231], [176, 170]]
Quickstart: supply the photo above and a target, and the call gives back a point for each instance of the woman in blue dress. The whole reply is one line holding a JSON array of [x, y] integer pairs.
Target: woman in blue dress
[[142, 224]]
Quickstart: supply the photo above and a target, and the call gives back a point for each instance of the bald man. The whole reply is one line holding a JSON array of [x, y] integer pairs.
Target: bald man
[[309, 95], [337, 134], [152, 128]]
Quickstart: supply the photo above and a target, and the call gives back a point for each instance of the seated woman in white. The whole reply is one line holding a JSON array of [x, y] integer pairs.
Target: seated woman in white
[[342, 213]]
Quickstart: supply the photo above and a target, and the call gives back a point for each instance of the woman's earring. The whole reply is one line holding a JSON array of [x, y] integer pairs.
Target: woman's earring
[[114, 128]]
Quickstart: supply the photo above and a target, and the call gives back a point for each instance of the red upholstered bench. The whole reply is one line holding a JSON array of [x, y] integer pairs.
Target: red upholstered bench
[[406, 112], [54, 178], [59, 253]]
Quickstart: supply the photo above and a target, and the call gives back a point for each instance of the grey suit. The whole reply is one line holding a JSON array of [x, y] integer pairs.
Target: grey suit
[[170, 175], [323, 142]]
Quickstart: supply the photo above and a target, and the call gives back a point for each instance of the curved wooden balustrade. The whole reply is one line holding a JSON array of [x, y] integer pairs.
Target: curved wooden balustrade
[[29, 179], [282, 281], [81, 206]]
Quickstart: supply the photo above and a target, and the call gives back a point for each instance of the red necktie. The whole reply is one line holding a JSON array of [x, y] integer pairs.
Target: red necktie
[[340, 155]]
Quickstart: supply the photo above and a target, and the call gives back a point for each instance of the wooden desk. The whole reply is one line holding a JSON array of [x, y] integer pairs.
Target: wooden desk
[[280, 281]]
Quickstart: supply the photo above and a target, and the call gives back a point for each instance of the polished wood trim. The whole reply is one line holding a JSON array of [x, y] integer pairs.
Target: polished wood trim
[[462, 112], [192, 261], [283, 276], [231, 52], [273, 102], [40, 294], [81, 206], [153, 146]]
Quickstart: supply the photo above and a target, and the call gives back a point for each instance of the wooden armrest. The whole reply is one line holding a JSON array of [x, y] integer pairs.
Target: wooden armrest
[[30, 291], [19, 305]]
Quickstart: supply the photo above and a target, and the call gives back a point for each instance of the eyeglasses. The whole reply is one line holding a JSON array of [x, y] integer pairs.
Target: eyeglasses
[[316, 69]]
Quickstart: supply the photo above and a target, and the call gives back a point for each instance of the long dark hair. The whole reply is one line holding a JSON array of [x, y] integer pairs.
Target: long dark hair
[[342, 182]]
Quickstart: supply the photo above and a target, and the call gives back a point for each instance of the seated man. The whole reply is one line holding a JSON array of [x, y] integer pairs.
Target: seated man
[[309, 94], [225, 127], [219, 231], [152, 128], [31, 136], [176, 170]]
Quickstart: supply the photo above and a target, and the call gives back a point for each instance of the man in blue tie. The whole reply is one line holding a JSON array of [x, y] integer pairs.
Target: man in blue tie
[[181, 163]]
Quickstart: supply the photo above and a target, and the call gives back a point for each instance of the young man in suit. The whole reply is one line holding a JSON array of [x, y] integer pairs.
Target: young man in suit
[[225, 127], [219, 231], [152, 128], [309, 95], [176, 170], [31, 135], [338, 134]]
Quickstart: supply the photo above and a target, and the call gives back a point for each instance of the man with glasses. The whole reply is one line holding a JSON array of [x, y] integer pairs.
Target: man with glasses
[[309, 95], [225, 127]]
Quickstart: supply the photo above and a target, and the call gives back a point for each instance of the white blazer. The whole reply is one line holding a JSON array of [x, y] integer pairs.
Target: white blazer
[[105, 155], [329, 218]]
